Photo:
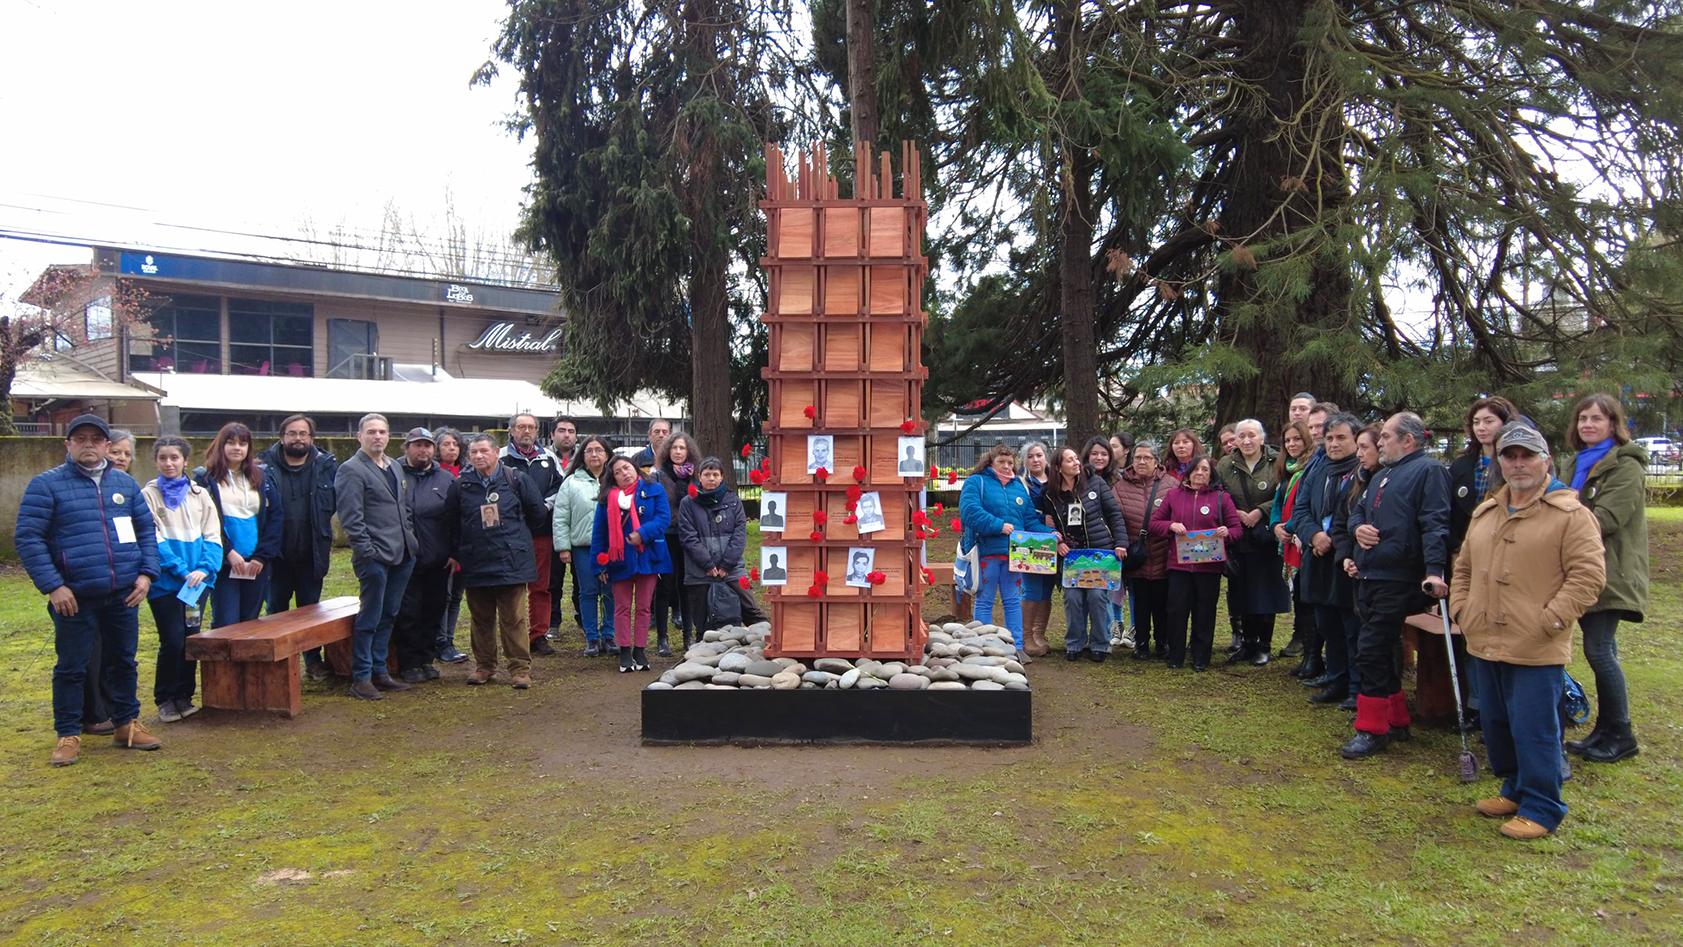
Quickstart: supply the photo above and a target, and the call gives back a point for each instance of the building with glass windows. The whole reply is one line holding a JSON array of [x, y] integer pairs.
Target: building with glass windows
[[223, 339]]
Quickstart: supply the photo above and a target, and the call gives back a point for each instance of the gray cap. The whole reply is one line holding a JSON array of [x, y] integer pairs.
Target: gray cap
[[1515, 434], [88, 420], [419, 434]]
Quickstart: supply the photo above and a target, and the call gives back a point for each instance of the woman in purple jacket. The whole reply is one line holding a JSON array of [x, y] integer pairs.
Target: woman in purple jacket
[[1194, 586]]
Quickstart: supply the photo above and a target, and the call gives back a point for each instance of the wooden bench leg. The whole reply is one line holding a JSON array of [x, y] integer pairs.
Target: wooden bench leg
[[253, 685]]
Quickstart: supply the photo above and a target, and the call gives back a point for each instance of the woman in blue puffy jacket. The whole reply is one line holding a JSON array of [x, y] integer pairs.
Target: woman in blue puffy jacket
[[993, 505], [628, 542]]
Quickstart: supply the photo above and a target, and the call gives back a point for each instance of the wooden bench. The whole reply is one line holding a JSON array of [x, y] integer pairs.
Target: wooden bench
[[255, 665], [1434, 699]]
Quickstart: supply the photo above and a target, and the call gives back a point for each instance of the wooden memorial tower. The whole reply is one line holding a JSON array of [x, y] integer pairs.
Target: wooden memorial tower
[[846, 383]]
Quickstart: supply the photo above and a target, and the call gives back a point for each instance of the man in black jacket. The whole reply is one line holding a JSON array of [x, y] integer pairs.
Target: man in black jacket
[[304, 473], [1401, 528], [499, 510], [1322, 584], [433, 495]]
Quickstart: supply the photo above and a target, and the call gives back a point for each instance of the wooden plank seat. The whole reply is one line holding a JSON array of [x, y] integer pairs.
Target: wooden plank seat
[[256, 665], [1434, 698]]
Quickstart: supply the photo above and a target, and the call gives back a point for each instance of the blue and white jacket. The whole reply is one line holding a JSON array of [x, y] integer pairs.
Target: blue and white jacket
[[189, 538]]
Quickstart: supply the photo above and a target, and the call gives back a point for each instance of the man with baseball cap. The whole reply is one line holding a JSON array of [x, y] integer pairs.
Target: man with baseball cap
[[85, 535], [433, 494], [1531, 563]]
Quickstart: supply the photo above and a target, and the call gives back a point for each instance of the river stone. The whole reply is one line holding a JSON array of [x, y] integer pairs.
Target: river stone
[[987, 686], [919, 670], [891, 668], [940, 662], [977, 672], [870, 684], [952, 627], [760, 628], [670, 679], [942, 649], [808, 686], [1016, 685], [819, 678], [869, 666], [764, 668], [947, 686], [710, 660], [727, 678], [907, 682], [692, 671], [944, 674], [785, 682], [690, 686], [713, 635], [974, 623], [659, 686], [833, 665], [735, 661], [966, 650], [1012, 666], [985, 660], [753, 680], [719, 687], [850, 678]]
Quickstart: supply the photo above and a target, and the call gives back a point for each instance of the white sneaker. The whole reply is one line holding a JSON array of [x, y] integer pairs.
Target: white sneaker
[[1125, 640], [186, 708]]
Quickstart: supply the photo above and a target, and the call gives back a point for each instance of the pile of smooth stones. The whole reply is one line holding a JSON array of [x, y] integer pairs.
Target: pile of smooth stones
[[968, 656]]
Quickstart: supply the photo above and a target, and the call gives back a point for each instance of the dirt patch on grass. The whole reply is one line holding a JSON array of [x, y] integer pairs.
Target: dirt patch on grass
[[1665, 552]]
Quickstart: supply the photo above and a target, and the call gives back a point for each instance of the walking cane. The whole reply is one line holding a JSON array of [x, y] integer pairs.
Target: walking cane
[[1469, 762]]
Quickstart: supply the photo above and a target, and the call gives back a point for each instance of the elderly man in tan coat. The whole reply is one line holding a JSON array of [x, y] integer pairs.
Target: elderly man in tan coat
[[1532, 563]]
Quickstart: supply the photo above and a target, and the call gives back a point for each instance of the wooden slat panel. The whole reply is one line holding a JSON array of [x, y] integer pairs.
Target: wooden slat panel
[[888, 348], [798, 521], [842, 289], [835, 559], [797, 626], [885, 466], [889, 623], [841, 347], [888, 290], [803, 563], [795, 230], [836, 507], [841, 232], [793, 347], [850, 453], [796, 290], [844, 628], [889, 404], [791, 399], [888, 231], [843, 403]]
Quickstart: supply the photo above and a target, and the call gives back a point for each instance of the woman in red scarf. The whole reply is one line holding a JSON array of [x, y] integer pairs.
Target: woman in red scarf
[[628, 543]]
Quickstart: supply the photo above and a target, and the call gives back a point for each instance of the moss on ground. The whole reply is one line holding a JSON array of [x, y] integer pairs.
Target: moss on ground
[[1154, 807]]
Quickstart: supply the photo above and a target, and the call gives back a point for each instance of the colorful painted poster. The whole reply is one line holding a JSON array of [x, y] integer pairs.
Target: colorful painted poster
[[1092, 569], [1034, 553], [1200, 545]]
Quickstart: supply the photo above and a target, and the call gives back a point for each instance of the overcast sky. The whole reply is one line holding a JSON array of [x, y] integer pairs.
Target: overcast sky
[[127, 122]]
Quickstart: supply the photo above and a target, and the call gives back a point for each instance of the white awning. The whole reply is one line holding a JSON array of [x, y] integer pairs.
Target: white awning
[[440, 396], [58, 379]]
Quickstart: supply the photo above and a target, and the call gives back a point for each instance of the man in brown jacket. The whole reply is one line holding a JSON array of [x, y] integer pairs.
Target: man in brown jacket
[[1532, 563]]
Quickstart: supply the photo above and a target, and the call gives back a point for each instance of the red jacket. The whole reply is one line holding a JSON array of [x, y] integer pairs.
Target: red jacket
[[1196, 509]]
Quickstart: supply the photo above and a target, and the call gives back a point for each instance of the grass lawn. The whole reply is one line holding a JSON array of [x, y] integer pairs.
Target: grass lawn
[[1154, 806]]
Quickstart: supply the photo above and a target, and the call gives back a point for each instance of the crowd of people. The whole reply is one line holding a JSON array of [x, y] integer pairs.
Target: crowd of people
[[454, 517], [1350, 528]]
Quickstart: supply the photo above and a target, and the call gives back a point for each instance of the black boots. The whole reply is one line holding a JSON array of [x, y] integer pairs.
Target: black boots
[[1617, 743], [664, 649], [1596, 734], [625, 659], [1363, 745], [639, 660]]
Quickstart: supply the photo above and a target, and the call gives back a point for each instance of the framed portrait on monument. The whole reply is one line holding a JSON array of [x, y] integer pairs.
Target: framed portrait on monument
[[774, 507]]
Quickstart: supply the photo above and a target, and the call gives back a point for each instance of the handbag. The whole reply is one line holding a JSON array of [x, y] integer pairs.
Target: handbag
[[724, 606], [967, 569], [1140, 549]]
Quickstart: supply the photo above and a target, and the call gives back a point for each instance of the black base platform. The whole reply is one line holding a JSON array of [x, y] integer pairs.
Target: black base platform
[[760, 717]]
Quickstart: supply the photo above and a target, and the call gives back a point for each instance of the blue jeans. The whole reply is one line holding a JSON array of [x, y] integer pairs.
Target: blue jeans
[[101, 621], [1602, 651], [1520, 714], [1085, 625], [235, 600], [596, 602], [382, 596], [1038, 588], [174, 680], [997, 577]]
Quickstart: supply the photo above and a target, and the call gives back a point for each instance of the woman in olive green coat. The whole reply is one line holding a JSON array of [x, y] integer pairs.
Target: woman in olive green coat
[[1608, 471]]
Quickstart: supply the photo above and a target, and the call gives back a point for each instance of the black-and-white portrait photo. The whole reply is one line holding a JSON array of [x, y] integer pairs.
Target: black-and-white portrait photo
[[860, 561], [820, 452], [773, 508], [911, 457], [774, 565], [869, 512]]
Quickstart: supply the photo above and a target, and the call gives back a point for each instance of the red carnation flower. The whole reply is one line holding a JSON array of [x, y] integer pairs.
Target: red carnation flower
[[928, 577], [821, 474], [860, 473], [747, 449], [908, 426], [754, 574], [952, 477], [816, 536], [820, 517], [757, 477], [821, 578], [850, 517], [956, 525], [876, 578], [743, 582], [920, 518], [810, 412], [854, 493], [601, 558], [693, 491], [934, 472], [919, 533], [938, 508], [765, 464], [813, 591]]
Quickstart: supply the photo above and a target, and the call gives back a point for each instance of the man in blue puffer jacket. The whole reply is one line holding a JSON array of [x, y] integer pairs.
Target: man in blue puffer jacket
[[86, 537]]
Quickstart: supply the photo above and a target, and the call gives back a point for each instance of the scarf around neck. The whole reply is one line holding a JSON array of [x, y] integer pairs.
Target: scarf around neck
[[173, 490], [711, 497], [621, 500], [683, 471], [1587, 459]]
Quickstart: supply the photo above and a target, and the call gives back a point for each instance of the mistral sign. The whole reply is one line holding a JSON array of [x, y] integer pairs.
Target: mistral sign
[[505, 338]]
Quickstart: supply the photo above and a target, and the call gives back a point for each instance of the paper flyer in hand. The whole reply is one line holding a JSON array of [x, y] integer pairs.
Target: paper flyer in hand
[[1200, 545]]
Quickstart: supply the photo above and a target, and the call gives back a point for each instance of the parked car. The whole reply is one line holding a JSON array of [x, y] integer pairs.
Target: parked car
[[1661, 450]]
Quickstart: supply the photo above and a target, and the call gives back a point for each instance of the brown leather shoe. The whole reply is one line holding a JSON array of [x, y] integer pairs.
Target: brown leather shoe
[[67, 750], [481, 676], [386, 682], [1496, 807], [1524, 829], [521, 681], [134, 736], [104, 728]]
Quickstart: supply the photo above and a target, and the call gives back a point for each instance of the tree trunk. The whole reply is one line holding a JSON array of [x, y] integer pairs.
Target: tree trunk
[[862, 69], [710, 332], [1269, 167], [1075, 245]]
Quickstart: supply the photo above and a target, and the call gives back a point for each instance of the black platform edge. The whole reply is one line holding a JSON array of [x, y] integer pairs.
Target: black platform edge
[[772, 717]]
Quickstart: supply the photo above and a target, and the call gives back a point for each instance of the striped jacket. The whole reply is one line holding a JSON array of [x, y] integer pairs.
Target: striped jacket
[[189, 538]]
